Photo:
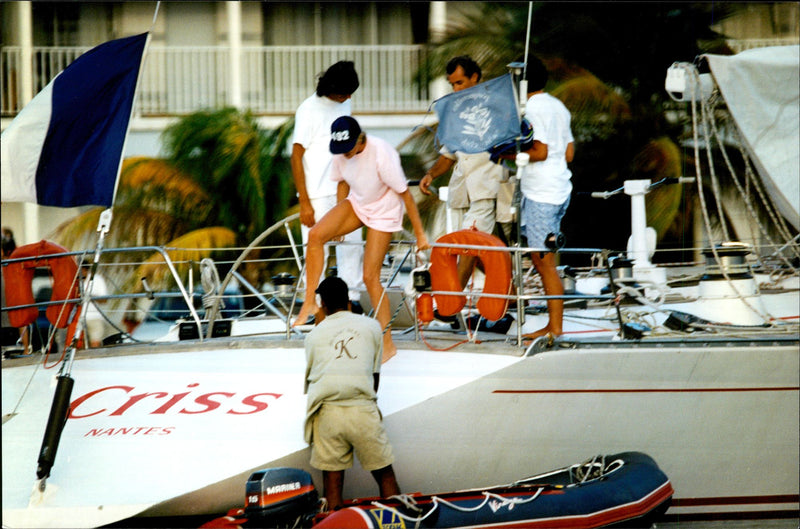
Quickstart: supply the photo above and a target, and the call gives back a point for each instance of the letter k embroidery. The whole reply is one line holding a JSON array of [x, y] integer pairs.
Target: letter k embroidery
[[341, 346]]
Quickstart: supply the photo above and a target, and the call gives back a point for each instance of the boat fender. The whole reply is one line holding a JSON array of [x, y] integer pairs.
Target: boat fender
[[18, 279], [496, 266], [425, 308], [349, 518], [555, 241], [421, 283], [233, 520]]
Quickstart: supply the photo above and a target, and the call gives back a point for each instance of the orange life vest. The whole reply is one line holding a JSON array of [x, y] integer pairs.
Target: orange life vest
[[496, 266]]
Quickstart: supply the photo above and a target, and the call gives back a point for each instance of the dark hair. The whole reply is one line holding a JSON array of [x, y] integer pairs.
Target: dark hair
[[465, 61], [341, 78], [333, 291], [535, 74], [9, 244]]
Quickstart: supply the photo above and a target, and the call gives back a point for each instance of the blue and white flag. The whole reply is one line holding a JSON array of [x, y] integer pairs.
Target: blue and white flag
[[64, 148], [478, 118]]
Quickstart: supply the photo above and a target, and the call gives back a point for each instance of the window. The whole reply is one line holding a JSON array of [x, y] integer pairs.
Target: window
[[343, 23]]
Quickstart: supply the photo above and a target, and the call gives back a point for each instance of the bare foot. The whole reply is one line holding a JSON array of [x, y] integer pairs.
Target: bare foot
[[388, 353], [306, 311], [544, 331]]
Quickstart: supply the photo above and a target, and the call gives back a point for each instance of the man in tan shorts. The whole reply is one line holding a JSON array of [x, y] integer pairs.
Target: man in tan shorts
[[476, 180], [343, 355]]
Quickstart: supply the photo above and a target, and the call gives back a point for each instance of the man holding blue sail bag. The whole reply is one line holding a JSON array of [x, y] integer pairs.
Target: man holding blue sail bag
[[475, 117]]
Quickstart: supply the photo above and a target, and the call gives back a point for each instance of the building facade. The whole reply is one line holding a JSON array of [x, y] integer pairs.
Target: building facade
[[260, 56]]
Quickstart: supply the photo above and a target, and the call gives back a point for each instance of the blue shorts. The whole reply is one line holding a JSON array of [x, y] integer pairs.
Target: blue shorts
[[540, 219]]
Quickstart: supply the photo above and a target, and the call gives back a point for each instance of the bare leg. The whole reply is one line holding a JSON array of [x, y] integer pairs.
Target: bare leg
[[333, 483], [466, 265], [387, 482], [374, 252], [26, 339], [546, 266], [337, 222]]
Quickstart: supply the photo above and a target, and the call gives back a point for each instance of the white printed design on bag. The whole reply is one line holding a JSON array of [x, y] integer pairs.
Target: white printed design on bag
[[477, 120]]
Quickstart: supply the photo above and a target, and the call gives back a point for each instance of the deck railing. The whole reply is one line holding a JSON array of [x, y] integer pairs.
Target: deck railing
[[273, 80]]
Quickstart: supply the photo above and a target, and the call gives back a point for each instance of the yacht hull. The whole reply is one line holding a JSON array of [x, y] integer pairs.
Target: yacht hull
[[177, 433]]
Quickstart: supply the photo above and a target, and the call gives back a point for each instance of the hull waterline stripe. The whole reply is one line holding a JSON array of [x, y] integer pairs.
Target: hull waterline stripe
[[733, 515], [736, 500], [646, 390]]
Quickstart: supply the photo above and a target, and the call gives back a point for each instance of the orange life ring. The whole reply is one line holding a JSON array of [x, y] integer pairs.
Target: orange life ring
[[18, 279], [444, 273]]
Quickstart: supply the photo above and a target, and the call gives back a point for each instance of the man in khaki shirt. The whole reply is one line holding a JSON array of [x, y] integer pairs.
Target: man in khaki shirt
[[476, 180], [343, 355]]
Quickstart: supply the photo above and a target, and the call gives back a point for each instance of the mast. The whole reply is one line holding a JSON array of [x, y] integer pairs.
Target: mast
[[59, 410]]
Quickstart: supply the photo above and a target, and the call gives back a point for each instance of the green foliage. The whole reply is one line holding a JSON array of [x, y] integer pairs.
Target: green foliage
[[228, 154], [607, 63], [224, 180]]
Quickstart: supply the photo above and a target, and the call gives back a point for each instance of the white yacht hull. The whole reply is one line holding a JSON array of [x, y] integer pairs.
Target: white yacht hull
[[177, 433]]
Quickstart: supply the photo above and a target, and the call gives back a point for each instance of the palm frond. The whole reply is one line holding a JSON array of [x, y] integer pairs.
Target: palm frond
[[156, 184], [421, 141], [597, 109], [137, 226], [227, 152], [183, 251], [79, 231], [485, 32], [660, 158], [142, 172], [276, 174]]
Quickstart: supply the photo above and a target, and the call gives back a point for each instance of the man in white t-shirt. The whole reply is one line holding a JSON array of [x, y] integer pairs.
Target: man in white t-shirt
[[311, 162], [546, 185]]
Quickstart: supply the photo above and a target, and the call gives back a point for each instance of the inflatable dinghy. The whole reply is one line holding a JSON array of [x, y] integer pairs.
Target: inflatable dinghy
[[602, 491]]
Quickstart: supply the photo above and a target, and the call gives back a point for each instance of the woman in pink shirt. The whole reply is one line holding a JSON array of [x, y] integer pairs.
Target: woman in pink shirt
[[373, 192]]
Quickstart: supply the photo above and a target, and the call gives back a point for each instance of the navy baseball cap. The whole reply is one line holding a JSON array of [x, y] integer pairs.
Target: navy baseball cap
[[344, 134]]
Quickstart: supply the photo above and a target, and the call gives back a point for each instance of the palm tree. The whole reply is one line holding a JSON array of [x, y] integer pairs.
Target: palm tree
[[618, 107], [236, 163]]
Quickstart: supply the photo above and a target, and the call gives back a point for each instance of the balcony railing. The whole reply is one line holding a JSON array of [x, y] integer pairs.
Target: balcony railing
[[738, 45], [274, 79]]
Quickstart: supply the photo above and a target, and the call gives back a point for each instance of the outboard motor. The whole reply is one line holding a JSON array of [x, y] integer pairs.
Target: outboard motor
[[278, 497]]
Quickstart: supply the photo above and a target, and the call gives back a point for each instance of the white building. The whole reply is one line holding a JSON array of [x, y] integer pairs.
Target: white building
[[261, 56]]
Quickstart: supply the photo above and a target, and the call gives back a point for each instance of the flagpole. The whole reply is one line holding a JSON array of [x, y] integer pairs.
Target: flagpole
[[522, 161], [133, 111], [527, 40], [155, 15], [104, 223], [59, 411]]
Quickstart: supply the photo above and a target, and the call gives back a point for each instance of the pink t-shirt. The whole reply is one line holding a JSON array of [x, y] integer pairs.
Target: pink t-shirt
[[375, 178]]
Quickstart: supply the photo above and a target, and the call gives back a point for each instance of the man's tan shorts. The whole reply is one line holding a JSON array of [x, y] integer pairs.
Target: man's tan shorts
[[341, 430], [481, 214]]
